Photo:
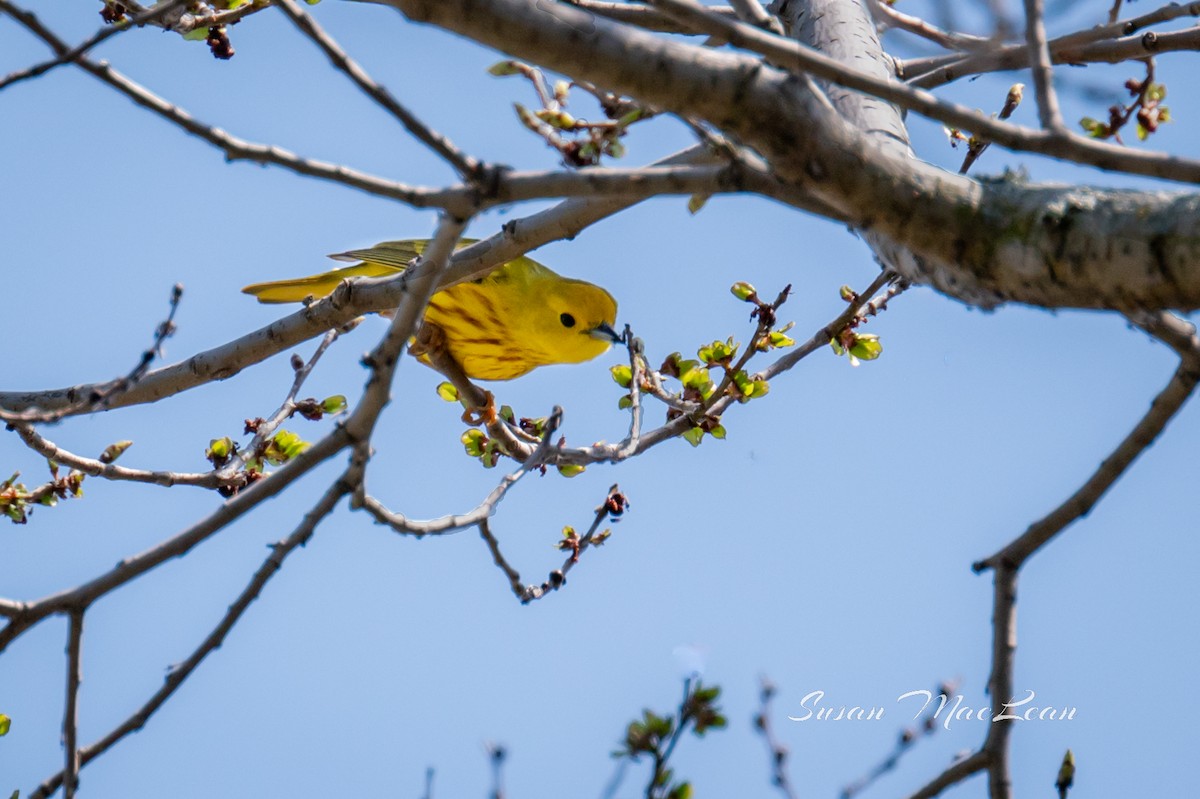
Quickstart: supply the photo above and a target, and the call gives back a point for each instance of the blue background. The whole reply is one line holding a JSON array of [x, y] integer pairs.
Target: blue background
[[826, 543]]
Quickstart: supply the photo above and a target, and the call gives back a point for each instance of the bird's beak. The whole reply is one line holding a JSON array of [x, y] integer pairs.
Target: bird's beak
[[604, 332]]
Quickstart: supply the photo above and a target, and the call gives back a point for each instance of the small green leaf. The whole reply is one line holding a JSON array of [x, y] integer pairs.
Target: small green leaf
[[615, 149], [778, 339], [571, 469], [630, 118], [5, 723], [695, 377], [625, 403], [693, 436], [681, 791], [556, 119], [743, 291], [474, 442], [219, 450], [622, 375], [697, 202], [866, 347], [717, 432], [503, 69], [335, 404], [196, 35]]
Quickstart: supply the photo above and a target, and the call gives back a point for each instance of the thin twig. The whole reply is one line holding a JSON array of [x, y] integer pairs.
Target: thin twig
[[466, 166], [976, 146], [265, 428], [493, 545], [110, 471], [895, 18], [752, 12], [99, 398], [777, 751], [1075, 47], [181, 671], [1043, 73], [71, 712], [1059, 144], [134, 566], [108, 31], [1140, 438], [452, 523], [904, 743]]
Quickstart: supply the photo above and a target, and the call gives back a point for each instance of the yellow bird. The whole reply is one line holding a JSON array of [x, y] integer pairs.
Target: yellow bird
[[521, 316]]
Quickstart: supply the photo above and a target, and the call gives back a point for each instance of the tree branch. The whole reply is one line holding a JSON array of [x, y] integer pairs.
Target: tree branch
[[181, 671], [466, 166]]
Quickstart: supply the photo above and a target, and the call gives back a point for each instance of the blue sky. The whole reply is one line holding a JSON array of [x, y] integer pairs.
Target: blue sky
[[826, 543]]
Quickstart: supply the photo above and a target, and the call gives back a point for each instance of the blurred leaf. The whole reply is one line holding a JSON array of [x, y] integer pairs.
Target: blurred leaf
[[743, 291], [622, 375], [504, 68]]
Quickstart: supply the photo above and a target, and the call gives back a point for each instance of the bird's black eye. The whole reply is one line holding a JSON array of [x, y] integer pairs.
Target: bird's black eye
[[567, 320]]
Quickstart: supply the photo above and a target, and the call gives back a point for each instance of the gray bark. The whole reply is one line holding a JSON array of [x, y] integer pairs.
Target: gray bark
[[983, 242]]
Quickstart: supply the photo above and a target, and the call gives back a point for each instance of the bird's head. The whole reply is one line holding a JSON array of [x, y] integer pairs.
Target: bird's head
[[578, 321]]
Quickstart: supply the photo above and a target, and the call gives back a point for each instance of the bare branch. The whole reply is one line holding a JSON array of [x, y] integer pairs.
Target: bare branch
[[1105, 43], [643, 16], [179, 544], [181, 671], [950, 40], [1043, 74], [65, 57], [71, 711], [466, 166], [1055, 143], [753, 13], [109, 471], [1145, 432], [777, 751], [953, 775], [454, 522]]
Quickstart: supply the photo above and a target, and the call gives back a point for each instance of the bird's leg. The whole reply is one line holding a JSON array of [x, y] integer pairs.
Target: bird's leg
[[430, 344]]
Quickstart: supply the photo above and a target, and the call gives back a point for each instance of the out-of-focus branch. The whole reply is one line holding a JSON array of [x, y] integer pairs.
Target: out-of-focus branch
[[1103, 43], [753, 13], [643, 16], [1043, 74], [950, 40], [777, 751]]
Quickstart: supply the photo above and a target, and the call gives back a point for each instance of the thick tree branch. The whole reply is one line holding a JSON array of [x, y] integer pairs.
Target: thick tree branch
[[983, 243]]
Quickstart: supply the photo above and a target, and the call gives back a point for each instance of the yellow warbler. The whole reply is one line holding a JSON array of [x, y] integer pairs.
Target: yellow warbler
[[519, 317]]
